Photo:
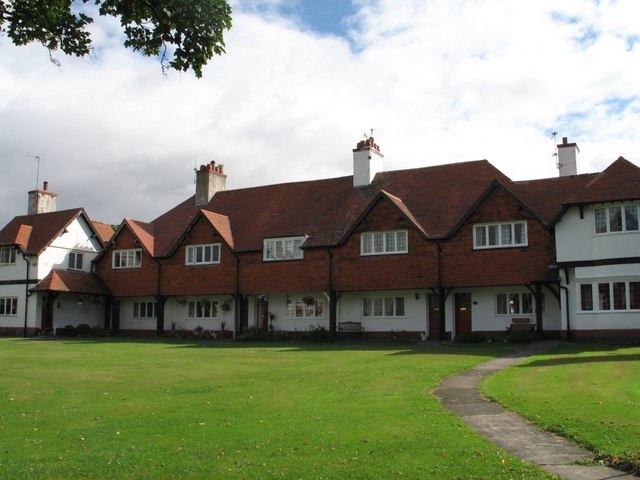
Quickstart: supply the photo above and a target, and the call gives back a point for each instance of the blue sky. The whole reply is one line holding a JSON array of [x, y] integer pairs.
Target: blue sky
[[439, 81]]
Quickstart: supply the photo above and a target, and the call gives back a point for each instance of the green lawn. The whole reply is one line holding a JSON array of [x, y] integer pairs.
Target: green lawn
[[590, 393], [160, 409]]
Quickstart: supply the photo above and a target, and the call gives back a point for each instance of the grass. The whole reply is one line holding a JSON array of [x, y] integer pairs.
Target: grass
[[589, 393], [123, 409]]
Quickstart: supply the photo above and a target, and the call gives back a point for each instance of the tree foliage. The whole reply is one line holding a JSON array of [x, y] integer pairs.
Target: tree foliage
[[185, 34]]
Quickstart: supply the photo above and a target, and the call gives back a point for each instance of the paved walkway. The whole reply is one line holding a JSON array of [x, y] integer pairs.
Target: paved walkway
[[511, 432]]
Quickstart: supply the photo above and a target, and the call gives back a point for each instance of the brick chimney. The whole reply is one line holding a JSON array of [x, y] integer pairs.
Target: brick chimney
[[367, 161], [567, 158], [210, 179], [41, 201]]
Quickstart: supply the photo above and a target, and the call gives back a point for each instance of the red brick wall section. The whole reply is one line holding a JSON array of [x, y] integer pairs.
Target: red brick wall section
[[463, 266], [177, 278], [417, 269], [128, 282]]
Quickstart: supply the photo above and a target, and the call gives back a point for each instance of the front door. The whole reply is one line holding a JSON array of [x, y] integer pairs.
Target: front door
[[463, 313], [434, 317], [262, 312]]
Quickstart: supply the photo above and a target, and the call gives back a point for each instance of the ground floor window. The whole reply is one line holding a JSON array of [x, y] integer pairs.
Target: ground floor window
[[8, 306], [373, 307], [516, 303], [144, 309], [305, 307], [203, 309], [618, 295]]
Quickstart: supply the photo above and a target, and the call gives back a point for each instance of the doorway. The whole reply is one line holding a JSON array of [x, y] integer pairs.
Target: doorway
[[435, 331], [463, 313], [262, 312]]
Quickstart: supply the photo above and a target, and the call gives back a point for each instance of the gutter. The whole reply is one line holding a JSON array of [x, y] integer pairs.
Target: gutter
[[566, 293]]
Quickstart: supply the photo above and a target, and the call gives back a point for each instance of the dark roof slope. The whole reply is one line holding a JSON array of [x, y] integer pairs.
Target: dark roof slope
[[620, 181], [72, 281]]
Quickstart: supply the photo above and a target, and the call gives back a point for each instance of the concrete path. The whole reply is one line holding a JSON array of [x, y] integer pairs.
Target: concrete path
[[511, 432]]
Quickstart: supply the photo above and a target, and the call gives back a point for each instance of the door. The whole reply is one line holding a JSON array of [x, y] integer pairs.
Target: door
[[463, 313], [434, 317], [262, 312], [115, 317]]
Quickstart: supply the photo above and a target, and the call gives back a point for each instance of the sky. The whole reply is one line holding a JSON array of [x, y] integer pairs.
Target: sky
[[302, 81]]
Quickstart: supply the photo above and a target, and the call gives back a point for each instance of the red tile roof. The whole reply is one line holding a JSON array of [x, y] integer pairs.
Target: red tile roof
[[620, 181], [104, 231], [72, 281], [222, 225]]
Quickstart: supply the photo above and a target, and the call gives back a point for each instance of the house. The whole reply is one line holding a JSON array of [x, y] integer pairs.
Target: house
[[45, 268]]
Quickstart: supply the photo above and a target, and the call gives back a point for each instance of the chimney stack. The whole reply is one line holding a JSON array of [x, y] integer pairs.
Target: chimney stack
[[367, 161], [567, 158], [210, 179], [41, 201]]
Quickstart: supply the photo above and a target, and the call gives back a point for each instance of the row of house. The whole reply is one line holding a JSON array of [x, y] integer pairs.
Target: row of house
[[429, 252]]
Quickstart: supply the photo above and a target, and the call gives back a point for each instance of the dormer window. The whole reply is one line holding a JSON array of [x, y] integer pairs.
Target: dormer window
[[617, 219], [75, 260], [287, 248], [131, 258], [7, 256], [202, 254], [500, 235], [383, 243]]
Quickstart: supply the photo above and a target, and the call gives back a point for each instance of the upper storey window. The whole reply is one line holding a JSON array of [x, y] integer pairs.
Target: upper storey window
[[383, 243], [287, 248], [75, 260], [7, 255], [131, 258], [617, 219], [500, 235], [203, 254]]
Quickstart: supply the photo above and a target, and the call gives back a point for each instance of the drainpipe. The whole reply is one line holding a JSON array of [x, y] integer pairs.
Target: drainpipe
[[441, 297], [26, 297], [160, 301], [333, 308], [566, 293]]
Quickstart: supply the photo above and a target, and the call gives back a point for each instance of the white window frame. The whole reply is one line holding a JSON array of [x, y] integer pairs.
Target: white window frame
[[197, 254], [75, 258], [283, 248], [513, 299], [145, 309], [204, 309], [390, 242], [624, 219], [298, 308], [603, 296], [127, 258], [384, 306], [7, 255], [505, 235], [8, 306]]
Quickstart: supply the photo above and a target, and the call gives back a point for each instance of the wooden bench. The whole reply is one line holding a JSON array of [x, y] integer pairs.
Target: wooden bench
[[521, 325], [351, 327]]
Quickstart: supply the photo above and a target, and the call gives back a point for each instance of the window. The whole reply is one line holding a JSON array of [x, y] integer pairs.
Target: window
[[75, 260], [500, 235], [376, 307], [203, 309], [7, 255], [621, 296], [127, 258], [383, 243], [283, 249], [144, 309], [8, 306], [515, 303], [203, 254], [616, 219], [307, 307]]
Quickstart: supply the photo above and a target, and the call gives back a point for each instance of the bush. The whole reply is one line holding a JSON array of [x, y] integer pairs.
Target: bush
[[523, 337], [83, 330], [470, 337], [317, 333], [69, 330]]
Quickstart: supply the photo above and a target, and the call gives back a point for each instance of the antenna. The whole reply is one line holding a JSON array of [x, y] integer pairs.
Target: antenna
[[195, 170], [555, 150], [37, 157]]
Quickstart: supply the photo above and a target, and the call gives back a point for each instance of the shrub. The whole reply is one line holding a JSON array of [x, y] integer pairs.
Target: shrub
[[317, 333], [83, 330], [523, 337], [69, 330], [470, 337]]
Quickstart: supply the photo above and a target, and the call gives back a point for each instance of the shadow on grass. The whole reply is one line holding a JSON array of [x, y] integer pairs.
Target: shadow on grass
[[575, 360]]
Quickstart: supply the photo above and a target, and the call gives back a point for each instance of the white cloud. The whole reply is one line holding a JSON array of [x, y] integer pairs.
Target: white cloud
[[439, 81]]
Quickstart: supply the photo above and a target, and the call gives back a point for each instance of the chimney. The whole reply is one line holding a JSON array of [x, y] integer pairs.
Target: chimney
[[367, 161], [210, 179], [41, 201], [567, 158]]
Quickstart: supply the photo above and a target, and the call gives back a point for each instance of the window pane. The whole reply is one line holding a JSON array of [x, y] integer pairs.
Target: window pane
[[514, 303], [378, 243], [400, 306], [634, 295], [615, 219], [279, 249], [401, 241], [601, 220], [388, 307], [604, 299], [270, 249], [619, 296], [493, 234], [506, 234], [138, 260], [299, 308], [367, 243], [366, 307], [631, 217], [520, 231], [190, 255], [501, 306], [198, 254], [481, 237], [377, 307], [527, 303], [319, 308], [586, 297], [390, 238]]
